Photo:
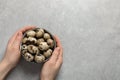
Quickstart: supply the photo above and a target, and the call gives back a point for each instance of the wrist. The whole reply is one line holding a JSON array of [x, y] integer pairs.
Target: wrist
[[8, 64], [46, 78], [4, 69]]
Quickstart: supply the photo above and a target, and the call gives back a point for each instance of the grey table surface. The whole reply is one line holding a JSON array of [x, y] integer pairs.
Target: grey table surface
[[89, 31]]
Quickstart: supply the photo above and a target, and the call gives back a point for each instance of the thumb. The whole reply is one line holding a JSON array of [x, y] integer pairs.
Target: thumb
[[18, 40]]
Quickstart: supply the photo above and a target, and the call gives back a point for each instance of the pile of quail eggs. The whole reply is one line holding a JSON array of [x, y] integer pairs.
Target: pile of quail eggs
[[37, 45]]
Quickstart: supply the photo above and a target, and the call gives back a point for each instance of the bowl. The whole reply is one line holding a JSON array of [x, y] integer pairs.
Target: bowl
[[37, 45]]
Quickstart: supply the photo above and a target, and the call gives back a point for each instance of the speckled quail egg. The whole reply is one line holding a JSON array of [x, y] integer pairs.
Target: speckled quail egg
[[24, 51], [46, 36], [40, 40], [43, 46], [24, 40], [30, 33], [50, 42], [48, 53], [32, 40], [39, 33], [24, 47], [39, 58], [28, 57], [33, 49]]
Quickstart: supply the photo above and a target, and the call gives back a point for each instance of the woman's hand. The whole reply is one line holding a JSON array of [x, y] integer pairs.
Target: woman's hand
[[12, 54], [52, 66]]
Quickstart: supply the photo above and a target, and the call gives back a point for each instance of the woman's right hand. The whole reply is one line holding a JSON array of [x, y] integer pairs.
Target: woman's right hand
[[52, 66]]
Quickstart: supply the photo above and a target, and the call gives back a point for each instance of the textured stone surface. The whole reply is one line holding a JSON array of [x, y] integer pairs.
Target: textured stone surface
[[89, 31]]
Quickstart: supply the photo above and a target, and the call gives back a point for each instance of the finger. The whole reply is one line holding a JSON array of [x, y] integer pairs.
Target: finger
[[17, 41], [59, 62], [61, 52], [59, 45], [60, 59], [55, 55], [11, 40], [27, 28], [58, 41], [22, 30]]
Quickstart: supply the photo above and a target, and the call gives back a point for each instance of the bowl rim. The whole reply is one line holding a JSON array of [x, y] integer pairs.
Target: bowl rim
[[51, 35]]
